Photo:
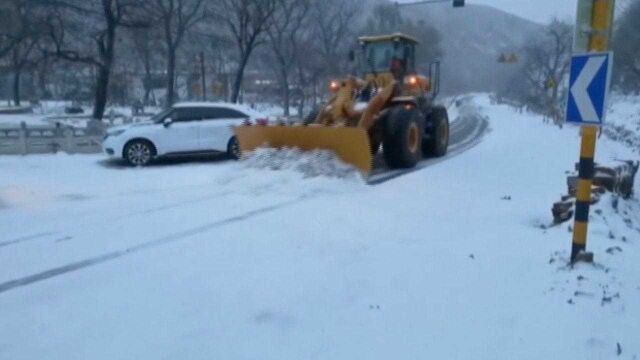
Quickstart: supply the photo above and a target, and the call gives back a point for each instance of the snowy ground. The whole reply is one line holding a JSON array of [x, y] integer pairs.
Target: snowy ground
[[221, 260], [623, 121], [51, 112]]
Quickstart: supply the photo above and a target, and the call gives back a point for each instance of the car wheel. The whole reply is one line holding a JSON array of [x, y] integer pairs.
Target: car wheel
[[139, 152], [233, 149]]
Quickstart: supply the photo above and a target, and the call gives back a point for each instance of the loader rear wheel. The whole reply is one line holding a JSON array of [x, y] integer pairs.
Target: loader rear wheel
[[437, 143], [402, 137]]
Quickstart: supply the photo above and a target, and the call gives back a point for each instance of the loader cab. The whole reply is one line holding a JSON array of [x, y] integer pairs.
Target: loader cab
[[387, 55]]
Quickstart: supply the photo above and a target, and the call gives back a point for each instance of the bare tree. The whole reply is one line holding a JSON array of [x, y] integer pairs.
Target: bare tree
[[24, 34], [75, 23], [284, 41], [247, 20], [335, 26], [21, 57], [177, 17], [627, 49], [221, 57], [327, 37], [309, 70], [12, 29], [541, 84], [145, 47]]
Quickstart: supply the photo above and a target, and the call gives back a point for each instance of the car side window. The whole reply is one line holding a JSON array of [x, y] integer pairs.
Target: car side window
[[223, 113], [205, 113], [186, 114]]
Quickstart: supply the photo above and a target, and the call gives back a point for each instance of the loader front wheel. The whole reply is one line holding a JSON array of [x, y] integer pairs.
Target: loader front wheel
[[403, 137], [313, 115], [375, 140], [437, 143]]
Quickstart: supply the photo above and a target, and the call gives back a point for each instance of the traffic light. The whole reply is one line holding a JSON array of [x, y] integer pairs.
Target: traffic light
[[458, 3]]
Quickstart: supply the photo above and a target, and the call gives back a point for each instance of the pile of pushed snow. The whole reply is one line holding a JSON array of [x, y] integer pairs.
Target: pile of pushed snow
[[310, 163]]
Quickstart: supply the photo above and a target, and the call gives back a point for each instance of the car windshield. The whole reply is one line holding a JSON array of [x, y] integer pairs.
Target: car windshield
[[157, 118]]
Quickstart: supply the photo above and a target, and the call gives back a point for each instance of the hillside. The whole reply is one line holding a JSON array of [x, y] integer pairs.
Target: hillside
[[472, 39]]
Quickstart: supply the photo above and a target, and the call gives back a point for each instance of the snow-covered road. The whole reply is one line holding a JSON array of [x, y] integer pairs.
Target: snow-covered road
[[225, 261], [467, 130]]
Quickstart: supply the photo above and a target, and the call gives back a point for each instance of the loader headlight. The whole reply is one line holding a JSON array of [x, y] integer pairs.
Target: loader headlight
[[412, 80], [334, 86]]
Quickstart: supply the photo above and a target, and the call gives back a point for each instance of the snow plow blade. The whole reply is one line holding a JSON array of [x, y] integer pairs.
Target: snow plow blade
[[350, 144]]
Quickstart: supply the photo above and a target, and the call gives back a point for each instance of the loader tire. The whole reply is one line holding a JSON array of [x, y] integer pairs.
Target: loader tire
[[374, 146], [375, 139], [437, 143], [311, 117], [402, 137]]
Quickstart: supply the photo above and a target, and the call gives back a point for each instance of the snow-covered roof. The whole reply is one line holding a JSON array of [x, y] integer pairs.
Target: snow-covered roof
[[238, 107], [388, 37]]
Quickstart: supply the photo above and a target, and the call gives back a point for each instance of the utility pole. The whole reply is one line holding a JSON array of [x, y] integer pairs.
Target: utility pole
[[593, 32]]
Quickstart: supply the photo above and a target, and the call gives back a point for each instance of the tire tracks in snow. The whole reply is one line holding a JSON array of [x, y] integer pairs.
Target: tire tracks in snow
[[466, 133], [150, 210], [171, 238], [25, 238], [173, 205]]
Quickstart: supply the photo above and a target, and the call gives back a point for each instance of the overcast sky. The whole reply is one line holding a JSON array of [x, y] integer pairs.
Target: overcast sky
[[536, 10], [540, 11]]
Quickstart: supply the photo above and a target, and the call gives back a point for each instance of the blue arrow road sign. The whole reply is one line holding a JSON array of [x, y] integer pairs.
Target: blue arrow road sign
[[589, 88]]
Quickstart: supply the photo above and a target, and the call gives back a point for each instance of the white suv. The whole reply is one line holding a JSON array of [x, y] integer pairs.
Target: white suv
[[184, 129]]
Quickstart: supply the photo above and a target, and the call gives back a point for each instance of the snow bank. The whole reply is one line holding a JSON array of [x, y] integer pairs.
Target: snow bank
[[309, 163]]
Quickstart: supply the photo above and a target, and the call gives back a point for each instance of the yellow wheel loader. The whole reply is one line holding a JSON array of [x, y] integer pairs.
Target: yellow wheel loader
[[392, 106]]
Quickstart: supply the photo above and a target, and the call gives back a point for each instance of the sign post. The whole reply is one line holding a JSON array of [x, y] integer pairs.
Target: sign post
[[588, 90]]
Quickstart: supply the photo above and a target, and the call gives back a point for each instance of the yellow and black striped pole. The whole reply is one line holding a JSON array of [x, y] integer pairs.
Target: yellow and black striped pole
[[599, 35]]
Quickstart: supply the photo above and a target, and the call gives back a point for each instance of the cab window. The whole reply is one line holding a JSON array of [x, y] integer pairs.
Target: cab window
[[379, 56]]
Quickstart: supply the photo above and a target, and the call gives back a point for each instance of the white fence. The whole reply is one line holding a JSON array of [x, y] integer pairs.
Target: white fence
[[45, 139], [67, 133]]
